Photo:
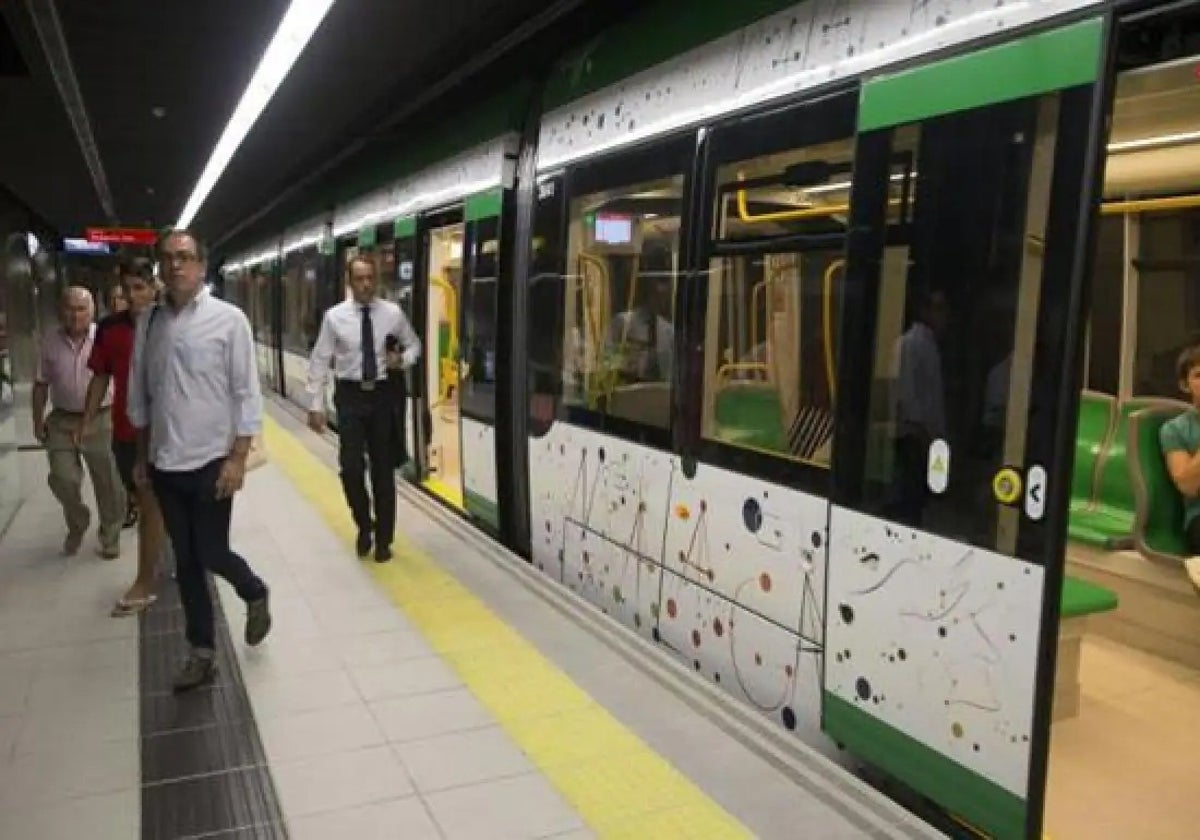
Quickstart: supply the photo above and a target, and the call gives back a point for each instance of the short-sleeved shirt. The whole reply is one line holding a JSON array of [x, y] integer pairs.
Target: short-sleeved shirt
[[1182, 434], [62, 366], [112, 354]]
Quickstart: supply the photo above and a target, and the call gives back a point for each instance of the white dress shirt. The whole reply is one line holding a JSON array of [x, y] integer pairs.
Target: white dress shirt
[[920, 402], [199, 367], [339, 344]]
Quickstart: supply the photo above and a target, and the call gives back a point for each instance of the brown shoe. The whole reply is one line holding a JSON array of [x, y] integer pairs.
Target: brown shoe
[[72, 543]]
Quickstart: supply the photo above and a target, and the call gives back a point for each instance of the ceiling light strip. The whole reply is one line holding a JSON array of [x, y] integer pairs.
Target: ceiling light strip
[[295, 30]]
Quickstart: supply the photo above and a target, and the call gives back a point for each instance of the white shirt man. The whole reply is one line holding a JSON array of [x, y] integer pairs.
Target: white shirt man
[[353, 344], [194, 396]]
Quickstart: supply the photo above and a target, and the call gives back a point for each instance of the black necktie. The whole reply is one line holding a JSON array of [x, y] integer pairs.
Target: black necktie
[[370, 367]]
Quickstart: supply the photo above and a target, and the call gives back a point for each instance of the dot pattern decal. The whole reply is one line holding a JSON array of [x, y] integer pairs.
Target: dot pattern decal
[[808, 45], [928, 642], [671, 556]]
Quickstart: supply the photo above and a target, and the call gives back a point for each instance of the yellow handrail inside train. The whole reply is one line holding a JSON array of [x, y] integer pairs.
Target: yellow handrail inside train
[[827, 307], [1149, 205]]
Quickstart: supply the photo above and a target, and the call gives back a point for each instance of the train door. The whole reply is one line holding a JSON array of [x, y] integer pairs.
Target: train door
[[439, 324], [403, 265], [477, 369], [959, 356]]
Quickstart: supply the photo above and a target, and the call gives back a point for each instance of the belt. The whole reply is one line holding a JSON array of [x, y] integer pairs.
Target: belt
[[101, 410], [359, 384]]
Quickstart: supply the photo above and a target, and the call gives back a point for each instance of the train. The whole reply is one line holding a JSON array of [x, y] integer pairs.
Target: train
[[823, 344]]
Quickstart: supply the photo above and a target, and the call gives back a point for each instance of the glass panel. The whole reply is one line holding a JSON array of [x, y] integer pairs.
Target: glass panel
[[443, 317], [956, 330], [1108, 284], [479, 342], [546, 308], [619, 333], [1168, 308]]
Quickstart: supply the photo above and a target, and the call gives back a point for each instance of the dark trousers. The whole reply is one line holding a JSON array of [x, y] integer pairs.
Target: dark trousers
[[198, 524], [365, 431]]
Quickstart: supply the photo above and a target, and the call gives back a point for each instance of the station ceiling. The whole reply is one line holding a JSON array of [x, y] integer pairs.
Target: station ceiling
[[158, 81]]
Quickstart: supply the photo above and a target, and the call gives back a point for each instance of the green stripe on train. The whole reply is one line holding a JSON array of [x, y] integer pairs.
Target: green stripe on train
[[482, 507], [484, 205], [404, 227], [960, 790], [1029, 66]]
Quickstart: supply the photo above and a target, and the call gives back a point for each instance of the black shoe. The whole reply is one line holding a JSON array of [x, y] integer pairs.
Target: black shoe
[[363, 546], [258, 620], [197, 671], [383, 554]]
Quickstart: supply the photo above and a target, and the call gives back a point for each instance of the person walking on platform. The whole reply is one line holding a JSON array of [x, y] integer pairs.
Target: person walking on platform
[[112, 355], [194, 397], [353, 341], [63, 377]]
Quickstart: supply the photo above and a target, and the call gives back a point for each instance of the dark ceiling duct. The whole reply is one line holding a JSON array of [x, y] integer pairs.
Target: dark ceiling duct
[[44, 14], [412, 105]]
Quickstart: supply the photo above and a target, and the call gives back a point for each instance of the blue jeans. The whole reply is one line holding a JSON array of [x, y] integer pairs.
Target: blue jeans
[[197, 523]]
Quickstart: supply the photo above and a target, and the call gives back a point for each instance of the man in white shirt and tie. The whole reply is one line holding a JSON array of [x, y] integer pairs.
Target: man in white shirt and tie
[[195, 399], [353, 343]]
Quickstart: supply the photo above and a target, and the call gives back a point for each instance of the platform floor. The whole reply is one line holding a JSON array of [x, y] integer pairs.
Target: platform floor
[[451, 693]]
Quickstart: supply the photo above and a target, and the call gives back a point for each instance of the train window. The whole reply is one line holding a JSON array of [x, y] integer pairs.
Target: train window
[[301, 319], [618, 326], [960, 311], [1168, 299], [1107, 309], [479, 327], [770, 342]]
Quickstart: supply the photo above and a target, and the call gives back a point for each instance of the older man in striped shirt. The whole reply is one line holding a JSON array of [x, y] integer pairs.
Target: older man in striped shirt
[[62, 379]]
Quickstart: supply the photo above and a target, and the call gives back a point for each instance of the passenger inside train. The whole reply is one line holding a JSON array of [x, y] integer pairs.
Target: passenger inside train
[[1180, 440]]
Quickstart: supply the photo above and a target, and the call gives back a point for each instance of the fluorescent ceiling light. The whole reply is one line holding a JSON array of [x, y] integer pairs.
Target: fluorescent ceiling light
[[1155, 142], [297, 27]]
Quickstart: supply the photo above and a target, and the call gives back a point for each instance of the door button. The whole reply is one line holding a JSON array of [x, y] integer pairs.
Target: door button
[[1035, 493]]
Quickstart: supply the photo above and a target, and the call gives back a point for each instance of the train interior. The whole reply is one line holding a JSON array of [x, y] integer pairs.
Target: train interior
[[444, 247], [1126, 728]]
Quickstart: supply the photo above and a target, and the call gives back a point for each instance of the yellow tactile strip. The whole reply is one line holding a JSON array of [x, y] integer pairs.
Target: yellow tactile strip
[[617, 784]]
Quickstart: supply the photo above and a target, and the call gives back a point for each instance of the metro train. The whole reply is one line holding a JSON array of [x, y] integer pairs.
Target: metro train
[[825, 345]]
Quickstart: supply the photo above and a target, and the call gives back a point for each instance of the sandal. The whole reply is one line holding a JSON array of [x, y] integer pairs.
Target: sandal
[[132, 606]]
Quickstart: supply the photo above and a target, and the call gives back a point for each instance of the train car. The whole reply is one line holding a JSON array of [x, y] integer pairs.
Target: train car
[[828, 346]]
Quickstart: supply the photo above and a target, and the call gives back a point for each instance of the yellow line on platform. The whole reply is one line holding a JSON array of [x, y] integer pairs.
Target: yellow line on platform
[[617, 784]]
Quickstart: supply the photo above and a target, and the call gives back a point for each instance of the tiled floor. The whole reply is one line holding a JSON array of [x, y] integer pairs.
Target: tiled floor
[[1125, 766], [367, 731], [69, 763]]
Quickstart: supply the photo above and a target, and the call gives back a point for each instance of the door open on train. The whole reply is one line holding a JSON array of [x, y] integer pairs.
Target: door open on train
[[456, 311], [972, 181]]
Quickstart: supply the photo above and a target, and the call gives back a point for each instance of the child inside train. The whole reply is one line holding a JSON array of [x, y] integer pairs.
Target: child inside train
[[1180, 442]]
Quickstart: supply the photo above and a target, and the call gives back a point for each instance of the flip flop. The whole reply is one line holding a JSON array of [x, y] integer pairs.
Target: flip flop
[[132, 606]]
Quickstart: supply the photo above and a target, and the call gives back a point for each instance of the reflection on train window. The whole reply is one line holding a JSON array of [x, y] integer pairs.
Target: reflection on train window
[[300, 317], [1168, 299], [619, 338], [952, 391]]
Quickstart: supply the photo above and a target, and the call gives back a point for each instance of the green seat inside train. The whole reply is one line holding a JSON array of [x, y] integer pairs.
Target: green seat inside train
[[749, 414], [1158, 525], [1080, 598], [1106, 519]]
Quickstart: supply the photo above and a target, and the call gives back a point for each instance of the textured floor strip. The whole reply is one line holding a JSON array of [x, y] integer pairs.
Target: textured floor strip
[[618, 785], [204, 771]]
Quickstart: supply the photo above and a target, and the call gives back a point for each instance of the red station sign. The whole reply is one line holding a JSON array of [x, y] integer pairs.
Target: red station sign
[[122, 236]]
